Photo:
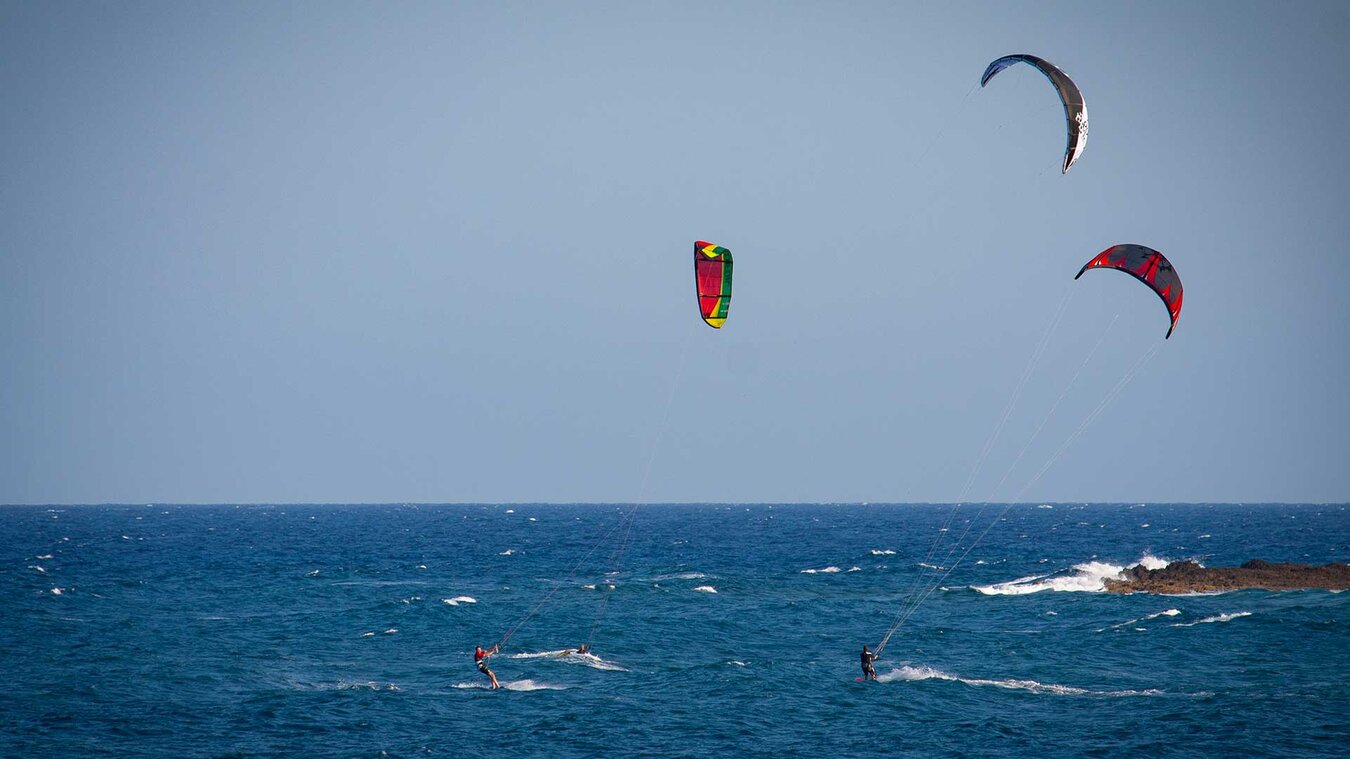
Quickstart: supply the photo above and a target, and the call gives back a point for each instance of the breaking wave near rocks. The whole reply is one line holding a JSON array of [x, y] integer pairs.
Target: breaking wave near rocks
[[1088, 577]]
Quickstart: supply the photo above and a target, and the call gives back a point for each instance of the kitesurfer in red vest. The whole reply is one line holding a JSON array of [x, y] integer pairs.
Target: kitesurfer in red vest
[[480, 658]]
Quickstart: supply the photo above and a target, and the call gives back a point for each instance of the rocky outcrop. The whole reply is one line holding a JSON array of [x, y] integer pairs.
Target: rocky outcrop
[[1190, 577]]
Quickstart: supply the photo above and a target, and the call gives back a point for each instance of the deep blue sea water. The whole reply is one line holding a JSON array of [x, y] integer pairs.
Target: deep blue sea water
[[305, 631]]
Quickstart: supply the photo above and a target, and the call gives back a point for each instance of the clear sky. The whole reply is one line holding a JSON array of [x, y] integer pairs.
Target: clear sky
[[263, 251]]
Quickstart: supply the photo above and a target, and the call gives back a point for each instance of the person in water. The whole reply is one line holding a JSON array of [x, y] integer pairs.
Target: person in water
[[869, 672], [581, 649], [480, 658]]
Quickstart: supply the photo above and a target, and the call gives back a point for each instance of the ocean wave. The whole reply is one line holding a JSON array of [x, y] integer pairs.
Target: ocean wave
[[855, 569], [679, 576], [933, 567], [570, 656], [507, 552], [594, 662], [380, 583], [518, 685], [371, 685], [706, 589], [883, 552], [1088, 577], [906, 673], [1166, 613], [1217, 618], [825, 571], [457, 600]]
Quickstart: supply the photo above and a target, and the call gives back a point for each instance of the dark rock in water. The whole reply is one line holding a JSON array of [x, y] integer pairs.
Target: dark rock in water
[[1190, 577]]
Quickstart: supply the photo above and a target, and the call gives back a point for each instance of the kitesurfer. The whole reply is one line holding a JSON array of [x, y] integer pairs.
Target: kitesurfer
[[480, 658], [582, 649], [869, 672]]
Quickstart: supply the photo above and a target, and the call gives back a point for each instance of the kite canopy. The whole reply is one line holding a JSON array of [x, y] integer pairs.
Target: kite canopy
[[1148, 266], [1075, 110], [712, 276]]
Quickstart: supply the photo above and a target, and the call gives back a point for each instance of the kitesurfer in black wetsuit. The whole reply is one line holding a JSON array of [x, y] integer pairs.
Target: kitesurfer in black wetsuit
[[869, 672]]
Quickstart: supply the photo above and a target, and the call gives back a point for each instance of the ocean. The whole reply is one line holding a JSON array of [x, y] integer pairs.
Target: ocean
[[348, 631]]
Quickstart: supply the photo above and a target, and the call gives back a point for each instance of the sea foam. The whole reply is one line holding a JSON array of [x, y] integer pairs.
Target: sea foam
[[906, 673], [1218, 618], [519, 685], [825, 571], [1166, 613], [1088, 577]]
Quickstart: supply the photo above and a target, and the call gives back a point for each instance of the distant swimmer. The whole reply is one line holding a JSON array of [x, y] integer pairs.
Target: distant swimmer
[[869, 672], [480, 658], [582, 649]]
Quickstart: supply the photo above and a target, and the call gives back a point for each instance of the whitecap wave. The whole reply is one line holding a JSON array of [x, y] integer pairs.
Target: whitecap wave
[[825, 571], [706, 589], [457, 600], [1127, 623], [1217, 618], [507, 552], [518, 685], [883, 552], [906, 673], [933, 567], [570, 656], [38, 568], [594, 662], [679, 576], [739, 663], [371, 685], [855, 569], [1088, 577]]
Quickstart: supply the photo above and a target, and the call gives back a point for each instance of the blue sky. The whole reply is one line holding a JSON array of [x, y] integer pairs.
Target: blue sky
[[441, 252]]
